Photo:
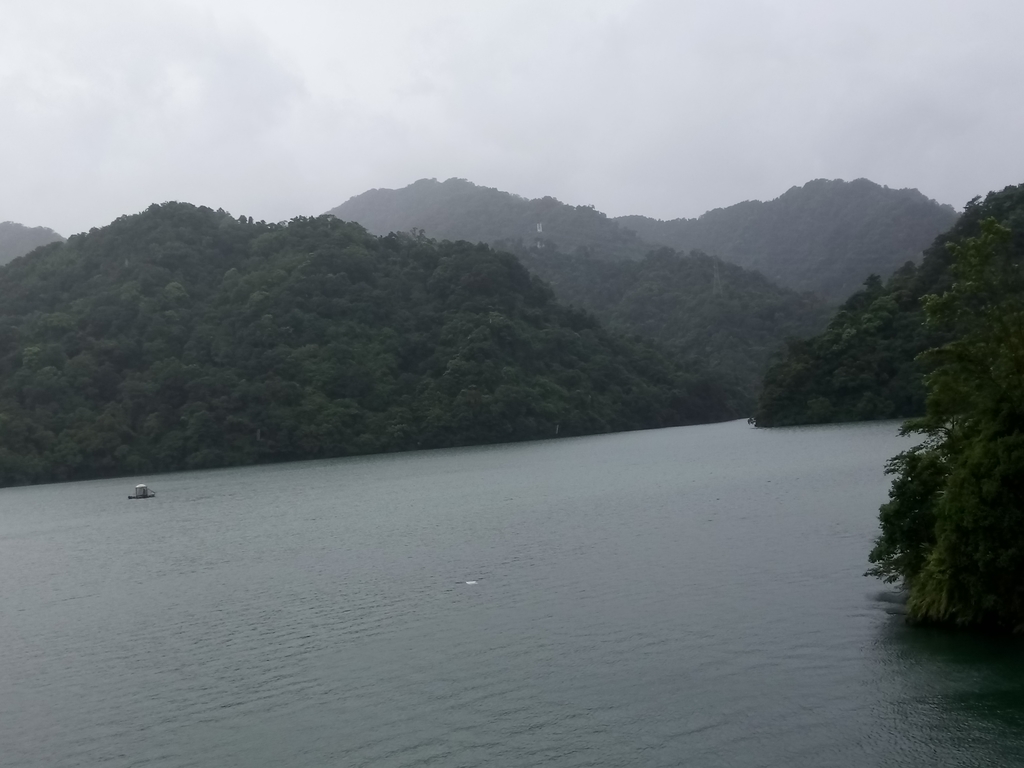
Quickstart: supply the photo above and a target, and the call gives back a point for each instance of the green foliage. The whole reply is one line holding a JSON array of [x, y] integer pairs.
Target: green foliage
[[17, 240], [182, 337], [866, 365], [861, 368], [715, 315], [729, 327], [953, 530], [825, 237]]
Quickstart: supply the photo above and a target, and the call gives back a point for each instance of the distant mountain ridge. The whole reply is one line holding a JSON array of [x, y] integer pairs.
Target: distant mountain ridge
[[457, 209], [865, 365], [827, 236], [17, 239], [716, 316]]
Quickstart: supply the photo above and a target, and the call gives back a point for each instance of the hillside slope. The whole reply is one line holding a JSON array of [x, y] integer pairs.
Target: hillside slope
[[826, 236], [17, 239], [728, 319], [182, 337], [863, 366], [457, 209], [732, 325]]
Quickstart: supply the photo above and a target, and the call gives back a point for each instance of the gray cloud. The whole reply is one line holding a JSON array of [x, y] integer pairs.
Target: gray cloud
[[664, 108]]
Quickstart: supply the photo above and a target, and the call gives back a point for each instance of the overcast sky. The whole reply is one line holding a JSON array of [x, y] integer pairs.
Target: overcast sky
[[661, 107]]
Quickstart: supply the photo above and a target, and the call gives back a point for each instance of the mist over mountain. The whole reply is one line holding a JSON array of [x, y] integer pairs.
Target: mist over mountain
[[826, 236], [865, 364], [183, 337], [731, 320], [457, 209], [17, 239], [708, 312]]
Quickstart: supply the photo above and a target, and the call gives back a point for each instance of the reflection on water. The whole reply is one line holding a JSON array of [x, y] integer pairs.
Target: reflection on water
[[959, 694], [687, 596]]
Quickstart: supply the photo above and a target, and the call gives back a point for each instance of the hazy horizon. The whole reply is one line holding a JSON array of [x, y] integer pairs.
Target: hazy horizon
[[650, 107]]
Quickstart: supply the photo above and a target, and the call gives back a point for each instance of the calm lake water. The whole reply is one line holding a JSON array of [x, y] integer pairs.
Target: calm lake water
[[675, 597]]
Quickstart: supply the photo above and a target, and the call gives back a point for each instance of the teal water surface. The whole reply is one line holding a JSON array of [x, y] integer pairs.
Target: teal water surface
[[686, 596]]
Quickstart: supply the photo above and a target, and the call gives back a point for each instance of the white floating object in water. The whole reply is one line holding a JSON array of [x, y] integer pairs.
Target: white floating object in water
[[143, 492], [471, 582]]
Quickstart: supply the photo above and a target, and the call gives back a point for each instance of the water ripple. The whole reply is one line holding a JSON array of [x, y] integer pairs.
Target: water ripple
[[689, 596]]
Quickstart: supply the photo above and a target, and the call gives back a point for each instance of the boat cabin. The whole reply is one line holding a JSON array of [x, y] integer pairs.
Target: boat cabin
[[142, 492]]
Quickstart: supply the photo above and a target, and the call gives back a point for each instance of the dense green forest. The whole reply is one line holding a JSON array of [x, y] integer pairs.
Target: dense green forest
[[708, 312], [457, 209], [864, 366], [17, 239], [826, 236], [183, 337], [953, 529]]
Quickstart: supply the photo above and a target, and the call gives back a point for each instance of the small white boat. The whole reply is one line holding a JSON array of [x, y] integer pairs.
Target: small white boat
[[143, 492]]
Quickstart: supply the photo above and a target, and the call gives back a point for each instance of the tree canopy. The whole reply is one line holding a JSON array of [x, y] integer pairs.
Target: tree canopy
[[713, 314], [953, 530], [183, 337], [708, 312], [866, 364]]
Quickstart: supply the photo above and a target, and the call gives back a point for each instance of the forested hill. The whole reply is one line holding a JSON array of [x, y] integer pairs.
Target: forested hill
[[17, 239], [732, 323], [182, 337], [732, 320], [825, 237], [457, 209], [863, 366]]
